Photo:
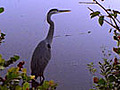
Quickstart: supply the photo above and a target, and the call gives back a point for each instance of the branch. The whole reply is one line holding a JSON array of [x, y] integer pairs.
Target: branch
[[108, 14], [104, 19], [87, 3]]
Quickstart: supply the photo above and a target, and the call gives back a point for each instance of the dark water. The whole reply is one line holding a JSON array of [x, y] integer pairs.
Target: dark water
[[24, 23]]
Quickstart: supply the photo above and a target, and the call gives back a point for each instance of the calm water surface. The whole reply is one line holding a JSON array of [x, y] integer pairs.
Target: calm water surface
[[24, 22]]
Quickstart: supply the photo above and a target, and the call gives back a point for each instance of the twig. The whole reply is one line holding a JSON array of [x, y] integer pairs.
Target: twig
[[87, 3], [90, 9], [117, 20]]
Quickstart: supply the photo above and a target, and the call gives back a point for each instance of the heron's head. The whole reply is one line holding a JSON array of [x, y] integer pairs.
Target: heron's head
[[56, 11]]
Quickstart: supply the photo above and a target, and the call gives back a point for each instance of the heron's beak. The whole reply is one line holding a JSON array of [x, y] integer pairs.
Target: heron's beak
[[61, 11]]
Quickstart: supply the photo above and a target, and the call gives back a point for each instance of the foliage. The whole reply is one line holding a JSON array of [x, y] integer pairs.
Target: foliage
[[2, 37], [13, 78], [1, 9], [109, 68], [4, 63], [16, 78], [48, 85], [110, 72]]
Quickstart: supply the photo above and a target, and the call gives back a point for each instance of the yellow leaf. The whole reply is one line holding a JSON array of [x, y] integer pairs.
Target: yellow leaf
[[1, 60], [51, 83], [32, 76], [24, 70], [12, 69], [17, 69], [1, 67]]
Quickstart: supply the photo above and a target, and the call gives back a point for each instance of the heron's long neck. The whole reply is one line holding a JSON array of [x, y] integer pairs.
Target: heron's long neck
[[49, 37]]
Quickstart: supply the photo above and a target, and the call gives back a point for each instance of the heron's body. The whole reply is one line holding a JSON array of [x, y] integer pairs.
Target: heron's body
[[40, 58], [42, 53]]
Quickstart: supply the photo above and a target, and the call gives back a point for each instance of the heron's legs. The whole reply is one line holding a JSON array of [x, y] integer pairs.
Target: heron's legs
[[42, 78], [35, 84]]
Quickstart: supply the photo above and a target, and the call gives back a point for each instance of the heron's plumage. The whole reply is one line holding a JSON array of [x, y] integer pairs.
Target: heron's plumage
[[42, 53], [40, 58]]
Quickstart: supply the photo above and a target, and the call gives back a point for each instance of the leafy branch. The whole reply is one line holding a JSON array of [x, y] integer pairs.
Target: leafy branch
[[112, 14]]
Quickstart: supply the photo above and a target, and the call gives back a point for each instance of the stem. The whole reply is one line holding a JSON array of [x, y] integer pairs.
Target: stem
[[110, 23], [1, 79]]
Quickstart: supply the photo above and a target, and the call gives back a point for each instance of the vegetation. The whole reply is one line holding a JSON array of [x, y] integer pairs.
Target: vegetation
[[16, 78], [2, 35], [109, 78]]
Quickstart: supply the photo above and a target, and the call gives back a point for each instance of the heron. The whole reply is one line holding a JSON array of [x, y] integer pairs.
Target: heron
[[42, 53]]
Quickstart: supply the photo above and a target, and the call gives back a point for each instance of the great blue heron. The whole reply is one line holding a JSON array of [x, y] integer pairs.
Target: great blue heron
[[42, 53]]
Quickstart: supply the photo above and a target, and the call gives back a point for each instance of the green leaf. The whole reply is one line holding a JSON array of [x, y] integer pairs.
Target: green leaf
[[118, 66], [26, 85], [16, 57], [116, 11], [1, 9], [13, 73], [114, 14], [94, 14], [94, 70], [46, 85], [24, 76], [2, 34], [2, 61], [2, 67], [101, 20], [3, 87], [101, 81], [111, 78], [118, 43], [40, 88], [13, 69], [108, 69], [18, 87], [105, 61], [116, 50]]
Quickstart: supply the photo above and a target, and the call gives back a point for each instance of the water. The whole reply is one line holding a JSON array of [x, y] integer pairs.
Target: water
[[24, 23]]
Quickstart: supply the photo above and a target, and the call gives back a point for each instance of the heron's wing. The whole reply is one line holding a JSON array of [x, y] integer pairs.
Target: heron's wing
[[40, 58]]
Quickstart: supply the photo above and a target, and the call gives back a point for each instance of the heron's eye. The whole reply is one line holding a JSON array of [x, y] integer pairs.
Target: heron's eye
[[48, 45]]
